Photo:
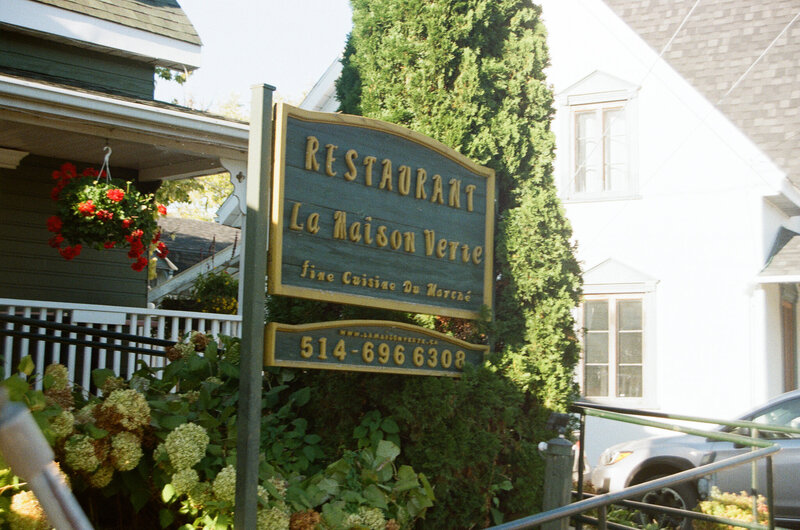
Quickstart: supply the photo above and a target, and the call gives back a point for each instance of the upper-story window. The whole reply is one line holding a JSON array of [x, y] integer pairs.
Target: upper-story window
[[597, 139]]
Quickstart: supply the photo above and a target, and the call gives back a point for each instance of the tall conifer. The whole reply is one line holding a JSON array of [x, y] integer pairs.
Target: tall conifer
[[469, 73]]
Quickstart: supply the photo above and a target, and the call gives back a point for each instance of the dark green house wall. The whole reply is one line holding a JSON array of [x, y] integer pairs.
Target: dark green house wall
[[28, 56], [31, 270]]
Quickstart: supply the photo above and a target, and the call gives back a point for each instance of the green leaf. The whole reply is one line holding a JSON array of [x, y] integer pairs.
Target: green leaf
[[302, 396], [95, 432], [167, 493], [100, 375], [497, 516], [17, 387], [390, 426], [312, 439], [387, 451], [406, 479], [376, 497], [170, 422], [165, 517], [26, 365]]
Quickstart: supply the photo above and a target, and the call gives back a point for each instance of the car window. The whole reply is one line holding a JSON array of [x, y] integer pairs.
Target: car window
[[786, 414]]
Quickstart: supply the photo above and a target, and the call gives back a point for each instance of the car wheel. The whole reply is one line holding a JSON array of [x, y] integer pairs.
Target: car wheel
[[683, 496]]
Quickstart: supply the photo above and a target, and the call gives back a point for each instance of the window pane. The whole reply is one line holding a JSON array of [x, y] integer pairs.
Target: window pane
[[596, 315], [630, 347], [597, 347], [588, 154], [596, 383], [629, 315], [629, 381]]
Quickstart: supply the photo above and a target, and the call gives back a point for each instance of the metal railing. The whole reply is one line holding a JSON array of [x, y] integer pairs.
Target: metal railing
[[760, 449]]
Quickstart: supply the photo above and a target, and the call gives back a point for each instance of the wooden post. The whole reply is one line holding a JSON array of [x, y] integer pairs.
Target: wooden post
[[253, 276], [557, 479]]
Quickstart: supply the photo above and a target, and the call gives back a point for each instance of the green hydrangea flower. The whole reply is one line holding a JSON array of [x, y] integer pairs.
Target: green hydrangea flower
[[102, 477], [63, 424], [273, 519], [131, 406], [79, 453], [186, 445], [60, 376], [26, 513], [280, 485], [184, 481], [126, 450], [224, 485]]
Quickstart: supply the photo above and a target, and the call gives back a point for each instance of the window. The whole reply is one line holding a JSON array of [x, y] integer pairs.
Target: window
[[600, 150], [613, 353], [596, 132]]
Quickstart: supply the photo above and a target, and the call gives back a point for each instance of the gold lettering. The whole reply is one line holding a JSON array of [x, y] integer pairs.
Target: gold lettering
[[351, 172], [441, 248], [469, 190], [453, 249], [477, 252], [368, 230], [422, 176], [396, 240], [293, 222], [404, 180], [380, 238], [312, 144], [368, 161], [355, 232], [313, 223], [330, 148], [437, 195], [409, 242], [430, 239], [340, 225], [386, 178], [465, 253], [455, 194]]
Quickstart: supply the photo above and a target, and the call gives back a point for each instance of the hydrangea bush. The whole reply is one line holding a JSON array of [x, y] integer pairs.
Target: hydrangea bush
[[159, 450]]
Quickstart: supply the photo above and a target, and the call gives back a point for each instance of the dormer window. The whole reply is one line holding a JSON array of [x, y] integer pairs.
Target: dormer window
[[599, 139]]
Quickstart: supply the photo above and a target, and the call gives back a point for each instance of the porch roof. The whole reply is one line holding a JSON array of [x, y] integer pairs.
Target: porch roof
[[158, 140], [783, 265]]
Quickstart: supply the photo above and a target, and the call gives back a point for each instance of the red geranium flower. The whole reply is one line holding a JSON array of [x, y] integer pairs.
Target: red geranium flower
[[86, 208], [56, 241], [140, 264], [105, 215], [126, 223], [109, 244], [54, 224], [162, 251], [70, 252], [115, 194], [162, 209]]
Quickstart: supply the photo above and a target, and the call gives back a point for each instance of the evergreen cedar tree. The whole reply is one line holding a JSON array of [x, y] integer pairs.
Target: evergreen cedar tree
[[470, 74]]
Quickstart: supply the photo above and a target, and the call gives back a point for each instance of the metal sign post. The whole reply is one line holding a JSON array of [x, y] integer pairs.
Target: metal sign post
[[254, 262]]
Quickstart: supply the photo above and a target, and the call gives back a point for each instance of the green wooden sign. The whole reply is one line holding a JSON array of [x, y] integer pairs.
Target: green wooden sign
[[370, 213], [369, 346]]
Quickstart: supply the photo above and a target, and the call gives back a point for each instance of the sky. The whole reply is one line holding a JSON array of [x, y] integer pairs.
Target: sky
[[284, 43]]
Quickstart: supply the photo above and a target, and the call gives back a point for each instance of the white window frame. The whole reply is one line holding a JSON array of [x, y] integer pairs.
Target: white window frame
[[597, 92], [646, 294]]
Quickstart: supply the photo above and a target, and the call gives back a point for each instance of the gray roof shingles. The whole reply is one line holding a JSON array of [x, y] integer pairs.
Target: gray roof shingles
[[721, 39], [160, 17]]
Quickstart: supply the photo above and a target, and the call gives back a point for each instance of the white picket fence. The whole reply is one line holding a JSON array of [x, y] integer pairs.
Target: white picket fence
[[81, 360]]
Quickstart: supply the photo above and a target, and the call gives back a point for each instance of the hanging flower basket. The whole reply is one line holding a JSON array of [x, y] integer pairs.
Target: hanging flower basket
[[103, 213]]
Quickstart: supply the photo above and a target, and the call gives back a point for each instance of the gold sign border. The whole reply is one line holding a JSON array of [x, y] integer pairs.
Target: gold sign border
[[271, 329], [275, 284]]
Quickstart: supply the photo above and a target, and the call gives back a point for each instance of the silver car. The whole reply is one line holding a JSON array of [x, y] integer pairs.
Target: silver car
[[642, 460]]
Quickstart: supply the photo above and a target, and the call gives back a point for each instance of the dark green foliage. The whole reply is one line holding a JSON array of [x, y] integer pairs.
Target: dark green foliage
[[468, 73]]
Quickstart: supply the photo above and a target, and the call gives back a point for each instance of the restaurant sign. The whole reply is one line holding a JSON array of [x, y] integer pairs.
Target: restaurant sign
[[369, 346], [369, 213]]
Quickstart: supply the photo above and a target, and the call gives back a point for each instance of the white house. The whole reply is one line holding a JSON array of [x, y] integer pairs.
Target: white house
[[677, 124]]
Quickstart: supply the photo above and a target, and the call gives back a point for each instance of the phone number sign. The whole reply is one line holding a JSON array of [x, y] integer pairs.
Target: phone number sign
[[369, 346]]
